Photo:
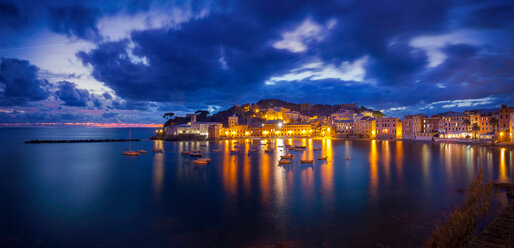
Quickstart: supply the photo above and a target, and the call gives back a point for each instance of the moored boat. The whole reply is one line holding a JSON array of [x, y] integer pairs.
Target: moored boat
[[142, 151], [195, 154], [289, 156], [306, 161], [155, 149], [284, 161], [199, 161], [131, 153], [322, 158], [215, 150]]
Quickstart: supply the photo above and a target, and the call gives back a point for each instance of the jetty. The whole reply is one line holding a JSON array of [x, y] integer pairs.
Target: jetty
[[79, 141]]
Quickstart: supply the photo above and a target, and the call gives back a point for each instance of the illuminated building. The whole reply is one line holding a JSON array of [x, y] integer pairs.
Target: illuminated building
[[193, 127], [511, 127], [412, 125], [387, 128], [504, 117], [453, 125], [366, 127], [236, 130], [297, 129], [344, 126]]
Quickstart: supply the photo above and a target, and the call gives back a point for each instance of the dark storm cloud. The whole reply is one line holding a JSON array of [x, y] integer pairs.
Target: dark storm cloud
[[71, 96], [19, 83], [11, 16], [76, 20], [219, 53], [495, 16]]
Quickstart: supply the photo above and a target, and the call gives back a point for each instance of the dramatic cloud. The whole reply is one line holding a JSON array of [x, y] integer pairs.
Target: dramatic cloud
[[72, 96], [11, 16], [75, 21], [19, 83], [149, 57]]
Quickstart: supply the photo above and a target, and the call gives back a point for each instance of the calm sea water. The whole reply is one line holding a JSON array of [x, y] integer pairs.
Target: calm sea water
[[83, 195]]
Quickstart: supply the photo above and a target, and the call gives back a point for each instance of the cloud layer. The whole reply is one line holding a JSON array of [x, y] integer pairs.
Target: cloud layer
[[401, 57]]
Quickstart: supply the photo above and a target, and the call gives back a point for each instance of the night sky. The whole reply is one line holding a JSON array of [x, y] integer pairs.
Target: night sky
[[132, 61]]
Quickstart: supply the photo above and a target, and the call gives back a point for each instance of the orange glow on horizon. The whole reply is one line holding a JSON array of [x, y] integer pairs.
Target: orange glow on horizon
[[83, 124]]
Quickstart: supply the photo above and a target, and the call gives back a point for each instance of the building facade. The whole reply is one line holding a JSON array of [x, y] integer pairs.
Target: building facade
[[388, 128]]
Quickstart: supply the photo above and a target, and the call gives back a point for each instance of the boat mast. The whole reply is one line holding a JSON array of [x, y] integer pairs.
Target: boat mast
[[130, 139]]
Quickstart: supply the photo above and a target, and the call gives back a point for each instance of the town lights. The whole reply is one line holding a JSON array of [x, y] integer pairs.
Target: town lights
[[303, 131], [277, 132], [373, 132], [265, 132], [247, 133], [280, 125], [290, 131], [501, 133], [233, 132]]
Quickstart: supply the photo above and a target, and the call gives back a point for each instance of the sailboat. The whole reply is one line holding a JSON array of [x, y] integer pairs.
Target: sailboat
[[130, 152]]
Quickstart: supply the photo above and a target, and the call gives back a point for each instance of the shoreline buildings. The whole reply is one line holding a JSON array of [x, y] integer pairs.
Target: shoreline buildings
[[283, 122]]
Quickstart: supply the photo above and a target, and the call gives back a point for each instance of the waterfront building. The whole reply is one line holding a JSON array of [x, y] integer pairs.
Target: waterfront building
[[511, 127], [297, 129], [504, 117], [453, 125], [388, 128], [271, 128], [485, 123], [412, 125], [192, 127], [344, 126], [366, 127], [234, 129]]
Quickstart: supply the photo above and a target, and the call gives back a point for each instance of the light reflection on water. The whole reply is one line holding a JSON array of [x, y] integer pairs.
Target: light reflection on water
[[385, 192]]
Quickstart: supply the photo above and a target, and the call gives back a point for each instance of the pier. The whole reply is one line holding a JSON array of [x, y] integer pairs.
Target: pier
[[79, 141]]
